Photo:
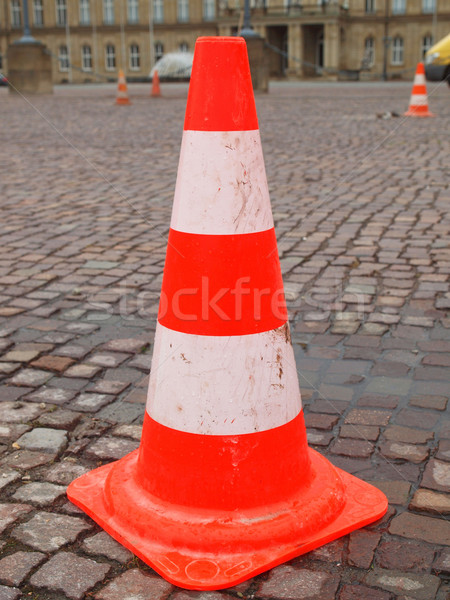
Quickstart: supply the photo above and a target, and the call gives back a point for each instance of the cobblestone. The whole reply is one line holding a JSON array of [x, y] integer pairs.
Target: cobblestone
[[71, 574], [43, 439], [15, 567], [364, 251]]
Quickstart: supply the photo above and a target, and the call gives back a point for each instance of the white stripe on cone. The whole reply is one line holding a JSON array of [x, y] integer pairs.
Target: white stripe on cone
[[419, 79], [418, 100], [223, 385], [221, 184]]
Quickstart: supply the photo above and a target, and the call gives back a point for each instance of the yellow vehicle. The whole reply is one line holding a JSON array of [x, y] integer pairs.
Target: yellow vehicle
[[437, 61]]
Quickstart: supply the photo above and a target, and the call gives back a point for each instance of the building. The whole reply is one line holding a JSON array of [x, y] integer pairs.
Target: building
[[91, 39]]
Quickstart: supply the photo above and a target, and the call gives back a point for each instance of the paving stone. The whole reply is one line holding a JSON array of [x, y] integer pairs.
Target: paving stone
[[102, 265], [434, 402], [404, 555], [318, 421], [409, 525], [379, 401], [47, 532], [419, 587], [431, 502], [83, 371], [9, 513], [319, 438], [417, 418], [130, 431], [104, 545], [122, 412], [73, 351], [11, 431], [397, 492], [44, 439], [129, 345], [65, 472], [138, 396], [368, 417], [8, 367], [53, 363], [71, 574], [408, 435], [437, 475], [336, 392], [331, 552], [352, 447], [109, 448], [51, 395], [134, 585], [86, 402], [207, 595], [26, 459], [442, 562], [60, 419], [108, 360], [443, 452], [361, 548], [23, 356], [19, 412], [364, 432], [362, 592], [108, 387], [15, 567], [400, 450], [40, 493], [9, 593], [8, 476], [31, 377], [287, 583], [389, 385]]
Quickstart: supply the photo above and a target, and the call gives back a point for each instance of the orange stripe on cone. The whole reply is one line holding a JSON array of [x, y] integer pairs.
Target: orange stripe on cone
[[418, 104], [223, 485], [156, 90], [122, 90]]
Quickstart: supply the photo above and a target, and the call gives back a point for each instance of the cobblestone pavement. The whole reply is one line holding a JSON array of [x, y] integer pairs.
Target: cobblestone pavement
[[361, 206]]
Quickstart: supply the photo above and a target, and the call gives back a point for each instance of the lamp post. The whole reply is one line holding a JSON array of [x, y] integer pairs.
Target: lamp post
[[386, 40], [26, 37], [247, 29]]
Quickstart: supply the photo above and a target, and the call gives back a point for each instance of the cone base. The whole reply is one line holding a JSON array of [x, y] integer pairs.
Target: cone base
[[415, 113], [123, 101], [209, 550]]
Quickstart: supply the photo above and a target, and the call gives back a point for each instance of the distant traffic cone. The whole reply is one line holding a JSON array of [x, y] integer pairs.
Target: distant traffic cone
[[156, 91], [122, 89], [223, 485], [418, 104]]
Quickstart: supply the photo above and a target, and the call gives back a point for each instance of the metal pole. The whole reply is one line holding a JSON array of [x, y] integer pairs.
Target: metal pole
[[434, 25], [68, 42], [122, 36], [151, 32], [247, 29], [27, 37], [385, 40], [94, 38]]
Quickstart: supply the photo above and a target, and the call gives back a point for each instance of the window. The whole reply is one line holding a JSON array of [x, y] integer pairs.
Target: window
[[397, 51], [16, 17], [158, 11], [184, 47], [135, 58], [427, 42], [183, 10], [86, 58], [209, 10], [61, 12], [63, 57], [110, 57], [428, 6], [369, 52], [38, 13], [85, 12], [133, 11], [370, 6], [108, 12], [398, 7], [159, 50]]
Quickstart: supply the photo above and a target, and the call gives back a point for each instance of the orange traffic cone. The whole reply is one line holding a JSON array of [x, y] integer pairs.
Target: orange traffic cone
[[156, 91], [223, 485], [418, 104], [122, 89]]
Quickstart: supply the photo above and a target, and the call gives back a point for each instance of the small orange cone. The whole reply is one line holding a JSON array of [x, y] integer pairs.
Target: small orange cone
[[223, 485], [122, 89], [156, 91], [418, 104]]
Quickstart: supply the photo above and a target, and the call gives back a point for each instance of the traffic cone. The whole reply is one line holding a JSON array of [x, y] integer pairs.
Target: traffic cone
[[223, 485], [122, 89], [418, 104], [156, 91]]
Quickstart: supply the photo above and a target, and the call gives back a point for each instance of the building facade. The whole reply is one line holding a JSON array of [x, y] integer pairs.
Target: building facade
[[90, 40]]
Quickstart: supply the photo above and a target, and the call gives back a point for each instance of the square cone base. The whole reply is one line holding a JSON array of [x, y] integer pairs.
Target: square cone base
[[204, 549]]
